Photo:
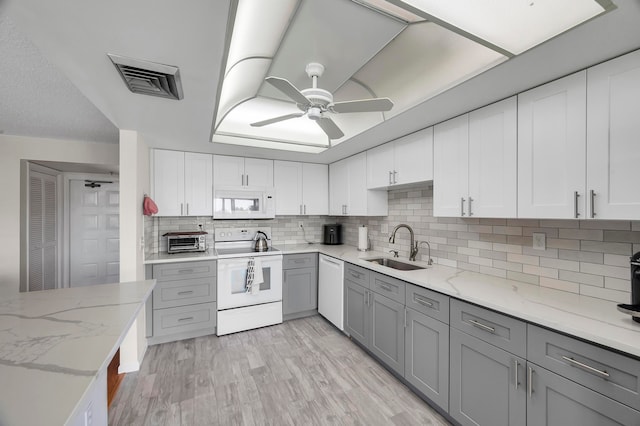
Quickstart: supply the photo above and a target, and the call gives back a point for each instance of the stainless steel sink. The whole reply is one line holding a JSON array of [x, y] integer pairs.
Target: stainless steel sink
[[390, 263]]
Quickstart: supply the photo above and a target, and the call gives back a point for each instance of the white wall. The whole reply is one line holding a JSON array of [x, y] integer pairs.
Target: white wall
[[134, 183], [16, 148]]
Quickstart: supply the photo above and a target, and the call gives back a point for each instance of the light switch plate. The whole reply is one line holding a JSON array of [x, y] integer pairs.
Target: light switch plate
[[539, 241]]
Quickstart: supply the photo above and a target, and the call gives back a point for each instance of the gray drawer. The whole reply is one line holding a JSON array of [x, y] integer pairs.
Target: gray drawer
[[430, 303], [500, 330], [296, 261], [168, 294], [184, 270], [392, 288], [356, 274], [184, 319], [602, 370]]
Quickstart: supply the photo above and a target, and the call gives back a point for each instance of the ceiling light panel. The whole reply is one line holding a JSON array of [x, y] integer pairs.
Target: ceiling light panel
[[513, 25], [259, 28]]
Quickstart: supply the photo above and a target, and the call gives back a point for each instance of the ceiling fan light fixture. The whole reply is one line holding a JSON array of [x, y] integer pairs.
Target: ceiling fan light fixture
[[314, 113]]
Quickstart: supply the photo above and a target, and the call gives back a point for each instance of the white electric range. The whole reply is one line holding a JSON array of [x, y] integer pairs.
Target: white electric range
[[239, 308]]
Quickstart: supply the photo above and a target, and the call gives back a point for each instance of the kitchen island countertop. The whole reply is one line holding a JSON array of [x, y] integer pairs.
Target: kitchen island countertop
[[54, 343]]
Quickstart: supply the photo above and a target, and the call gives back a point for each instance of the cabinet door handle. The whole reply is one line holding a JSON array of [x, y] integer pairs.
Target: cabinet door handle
[[575, 204], [390, 177], [300, 208], [423, 302], [530, 382], [181, 207], [185, 319], [592, 194], [395, 174], [247, 179], [385, 287], [369, 298], [461, 206], [405, 317], [470, 212], [183, 293], [516, 364], [187, 209], [586, 367], [305, 209], [482, 326]]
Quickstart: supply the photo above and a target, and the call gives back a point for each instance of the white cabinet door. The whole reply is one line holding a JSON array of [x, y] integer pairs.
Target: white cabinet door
[[168, 182], [450, 167], [552, 149], [288, 183], [258, 172], [339, 187], [380, 166], [315, 189], [198, 184], [228, 171], [357, 204], [493, 158], [414, 157], [613, 150]]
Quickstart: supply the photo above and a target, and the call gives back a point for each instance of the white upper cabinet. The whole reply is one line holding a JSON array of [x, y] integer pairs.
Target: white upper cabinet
[[349, 195], [552, 149], [240, 171], [315, 189], [404, 161], [493, 157], [451, 167], [613, 146], [182, 183], [301, 188], [475, 158]]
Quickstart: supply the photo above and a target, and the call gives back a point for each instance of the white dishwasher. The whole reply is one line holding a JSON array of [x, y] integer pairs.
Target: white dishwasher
[[331, 290]]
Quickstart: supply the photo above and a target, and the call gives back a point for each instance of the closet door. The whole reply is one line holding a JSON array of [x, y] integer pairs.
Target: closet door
[[43, 234]]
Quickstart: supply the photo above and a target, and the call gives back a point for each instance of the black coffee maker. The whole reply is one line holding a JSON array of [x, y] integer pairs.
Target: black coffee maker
[[634, 307]]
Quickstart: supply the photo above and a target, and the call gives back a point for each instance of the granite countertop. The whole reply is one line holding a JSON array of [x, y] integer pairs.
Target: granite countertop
[[54, 343], [586, 317]]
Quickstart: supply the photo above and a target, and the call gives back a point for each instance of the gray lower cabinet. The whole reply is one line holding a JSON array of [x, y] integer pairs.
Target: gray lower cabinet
[[357, 311], [487, 385], [377, 322], [183, 304], [555, 400], [427, 357], [299, 285]]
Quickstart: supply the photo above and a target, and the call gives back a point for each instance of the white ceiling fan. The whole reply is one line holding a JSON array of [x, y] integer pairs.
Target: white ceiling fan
[[318, 103]]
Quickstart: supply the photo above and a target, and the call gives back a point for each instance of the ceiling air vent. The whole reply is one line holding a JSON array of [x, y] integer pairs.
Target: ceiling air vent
[[149, 78]]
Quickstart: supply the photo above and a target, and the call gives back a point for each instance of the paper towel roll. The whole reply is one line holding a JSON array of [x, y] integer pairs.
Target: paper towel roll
[[363, 238]]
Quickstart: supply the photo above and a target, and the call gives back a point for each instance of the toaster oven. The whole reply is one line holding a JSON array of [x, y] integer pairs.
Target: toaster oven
[[186, 242]]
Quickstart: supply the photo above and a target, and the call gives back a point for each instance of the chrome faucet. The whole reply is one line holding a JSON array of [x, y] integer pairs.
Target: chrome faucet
[[413, 245], [430, 261]]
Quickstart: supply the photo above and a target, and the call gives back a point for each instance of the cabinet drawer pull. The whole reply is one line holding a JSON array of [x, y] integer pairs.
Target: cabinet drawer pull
[[585, 366], [186, 271], [355, 274], [185, 319], [482, 326], [182, 293], [299, 261], [423, 302], [386, 287]]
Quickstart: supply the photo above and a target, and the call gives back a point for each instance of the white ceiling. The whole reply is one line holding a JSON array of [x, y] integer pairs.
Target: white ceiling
[[74, 36]]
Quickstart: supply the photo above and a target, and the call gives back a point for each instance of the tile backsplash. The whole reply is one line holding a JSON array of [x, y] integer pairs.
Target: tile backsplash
[[581, 256]]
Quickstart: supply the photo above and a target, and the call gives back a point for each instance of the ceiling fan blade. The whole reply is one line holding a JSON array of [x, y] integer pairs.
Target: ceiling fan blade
[[363, 105], [288, 89], [277, 119], [330, 128]]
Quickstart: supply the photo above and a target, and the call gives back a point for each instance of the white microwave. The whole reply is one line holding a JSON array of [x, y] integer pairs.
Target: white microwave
[[232, 202]]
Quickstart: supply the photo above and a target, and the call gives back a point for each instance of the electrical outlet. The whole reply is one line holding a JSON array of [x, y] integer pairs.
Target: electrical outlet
[[300, 224], [539, 241]]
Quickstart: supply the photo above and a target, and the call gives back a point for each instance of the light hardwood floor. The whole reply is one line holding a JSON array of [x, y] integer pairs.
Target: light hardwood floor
[[301, 372]]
